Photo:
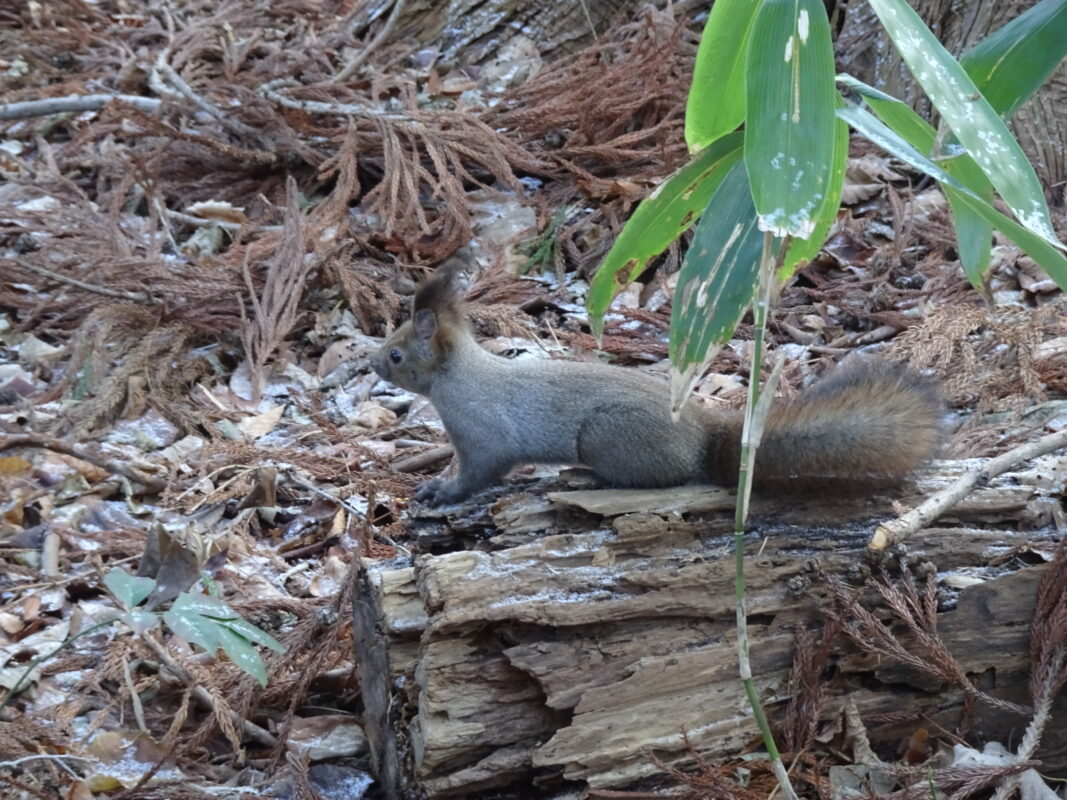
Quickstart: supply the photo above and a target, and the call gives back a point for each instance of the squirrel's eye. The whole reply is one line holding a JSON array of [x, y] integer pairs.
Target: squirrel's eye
[[395, 356]]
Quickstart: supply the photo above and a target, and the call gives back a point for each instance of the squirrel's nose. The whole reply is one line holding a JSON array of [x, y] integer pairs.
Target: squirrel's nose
[[380, 365]]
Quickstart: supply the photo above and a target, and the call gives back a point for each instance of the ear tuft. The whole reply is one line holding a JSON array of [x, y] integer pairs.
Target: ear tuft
[[441, 296]]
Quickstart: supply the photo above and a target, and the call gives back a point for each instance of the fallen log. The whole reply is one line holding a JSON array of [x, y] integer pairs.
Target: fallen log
[[584, 634]]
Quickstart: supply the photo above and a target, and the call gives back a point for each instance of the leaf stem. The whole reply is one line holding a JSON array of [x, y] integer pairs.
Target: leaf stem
[[750, 436]]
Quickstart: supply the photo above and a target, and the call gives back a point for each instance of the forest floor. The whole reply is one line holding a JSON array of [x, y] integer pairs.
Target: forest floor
[[192, 281]]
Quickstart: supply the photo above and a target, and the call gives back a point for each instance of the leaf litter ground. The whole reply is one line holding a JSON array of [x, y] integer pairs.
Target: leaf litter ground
[[190, 288]]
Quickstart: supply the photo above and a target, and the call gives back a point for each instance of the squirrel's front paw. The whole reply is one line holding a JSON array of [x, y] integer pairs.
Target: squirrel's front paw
[[436, 492]]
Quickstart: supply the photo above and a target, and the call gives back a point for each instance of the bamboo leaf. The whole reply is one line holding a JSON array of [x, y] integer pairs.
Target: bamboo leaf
[[974, 235], [968, 114], [789, 126], [1011, 63], [802, 251], [660, 219], [716, 103], [1037, 247], [716, 281]]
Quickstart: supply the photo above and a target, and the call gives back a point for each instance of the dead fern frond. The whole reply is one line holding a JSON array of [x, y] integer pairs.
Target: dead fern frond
[[275, 305], [614, 107], [806, 687], [922, 649], [119, 343], [987, 356]]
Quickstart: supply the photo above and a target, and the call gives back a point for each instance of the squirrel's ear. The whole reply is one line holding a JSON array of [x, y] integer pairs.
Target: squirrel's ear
[[425, 323], [440, 294]]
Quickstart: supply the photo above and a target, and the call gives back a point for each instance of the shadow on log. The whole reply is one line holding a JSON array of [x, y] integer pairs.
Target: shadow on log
[[587, 630]]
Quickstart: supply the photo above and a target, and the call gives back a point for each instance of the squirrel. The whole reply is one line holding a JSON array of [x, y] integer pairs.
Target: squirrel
[[868, 422]]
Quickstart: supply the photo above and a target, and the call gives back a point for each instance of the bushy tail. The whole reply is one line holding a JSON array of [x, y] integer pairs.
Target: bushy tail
[[869, 421]]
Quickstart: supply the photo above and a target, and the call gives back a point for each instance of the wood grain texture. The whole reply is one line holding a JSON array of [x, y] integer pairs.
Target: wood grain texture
[[569, 649]]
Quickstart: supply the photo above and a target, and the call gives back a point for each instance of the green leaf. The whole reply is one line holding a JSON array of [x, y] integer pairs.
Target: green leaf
[[716, 282], [890, 141], [140, 620], [661, 218], [974, 235], [1037, 247], [213, 625], [1011, 63], [716, 103], [186, 620], [243, 654], [128, 589], [802, 251], [968, 114], [789, 126], [247, 630]]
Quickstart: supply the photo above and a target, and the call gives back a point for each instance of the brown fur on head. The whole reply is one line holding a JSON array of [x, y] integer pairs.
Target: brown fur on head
[[420, 348]]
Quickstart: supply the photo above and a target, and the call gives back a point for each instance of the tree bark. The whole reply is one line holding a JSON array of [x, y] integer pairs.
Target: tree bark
[[573, 643], [473, 31]]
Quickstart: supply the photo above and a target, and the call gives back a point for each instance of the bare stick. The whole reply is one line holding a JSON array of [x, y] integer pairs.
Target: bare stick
[[137, 297], [74, 103], [425, 459], [186, 91], [59, 446], [316, 107], [203, 696], [365, 53], [351, 509], [902, 527]]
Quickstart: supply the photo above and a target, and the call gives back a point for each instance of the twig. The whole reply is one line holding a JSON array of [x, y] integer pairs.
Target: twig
[[185, 90], [261, 735], [50, 554], [14, 690], [317, 107], [75, 103], [57, 758], [137, 297], [897, 530], [135, 699], [351, 509], [361, 57], [425, 459], [59, 446], [203, 222]]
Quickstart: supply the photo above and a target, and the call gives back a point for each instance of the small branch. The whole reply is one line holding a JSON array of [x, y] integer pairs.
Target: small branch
[[185, 90], [351, 509], [376, 42], [202, 222], [255, 732], [26, 673], [425, 459], [75, 103], [59, 446], [897, 530], [137, 297], [61, 760], [317, 107]]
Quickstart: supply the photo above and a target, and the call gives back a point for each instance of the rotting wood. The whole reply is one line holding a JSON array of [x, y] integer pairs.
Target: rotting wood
[[572, 645]]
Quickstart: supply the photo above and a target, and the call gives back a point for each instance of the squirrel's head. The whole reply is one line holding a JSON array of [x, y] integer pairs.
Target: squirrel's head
[[420, 348]]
